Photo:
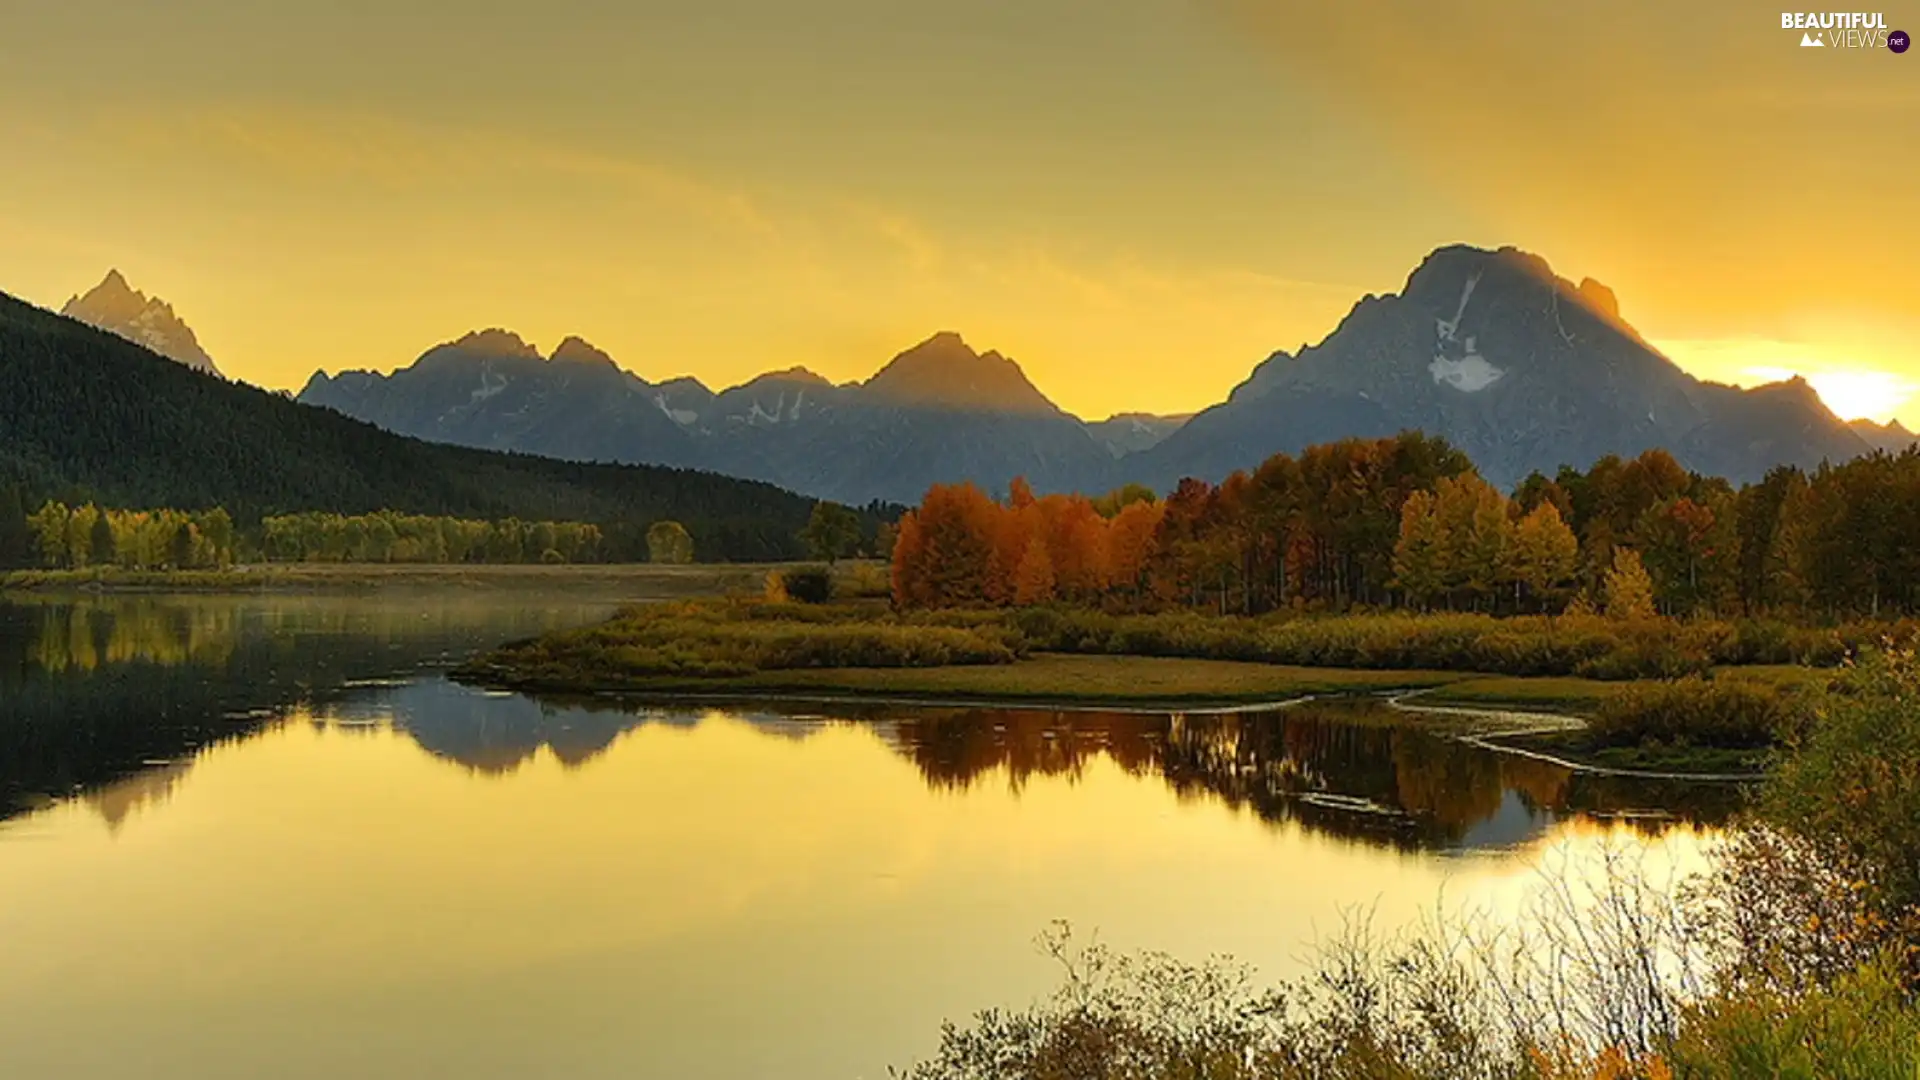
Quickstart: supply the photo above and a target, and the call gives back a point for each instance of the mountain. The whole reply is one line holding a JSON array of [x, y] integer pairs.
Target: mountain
[[118, 308], [493, 391], [936, 412], [1130, 433], [1520, 368], [90, 415], [1893, 436]]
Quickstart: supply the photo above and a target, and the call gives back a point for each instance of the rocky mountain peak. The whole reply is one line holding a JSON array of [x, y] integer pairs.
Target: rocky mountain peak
[[944, 372], [119, 308], [493, 341], [577, 350]]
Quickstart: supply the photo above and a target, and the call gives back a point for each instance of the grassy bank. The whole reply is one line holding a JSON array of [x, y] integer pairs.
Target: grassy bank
[[1045, 678], [1726, 721]]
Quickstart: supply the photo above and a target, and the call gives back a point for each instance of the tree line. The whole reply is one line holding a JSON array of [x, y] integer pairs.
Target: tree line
[[59, 536], [1406, 522]]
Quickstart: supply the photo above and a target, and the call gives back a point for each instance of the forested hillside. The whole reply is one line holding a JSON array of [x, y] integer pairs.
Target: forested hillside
[[86, 416]]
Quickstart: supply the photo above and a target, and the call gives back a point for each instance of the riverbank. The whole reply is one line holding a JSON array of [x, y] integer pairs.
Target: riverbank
[[1041, 679], [622, 580], [1722, 721]]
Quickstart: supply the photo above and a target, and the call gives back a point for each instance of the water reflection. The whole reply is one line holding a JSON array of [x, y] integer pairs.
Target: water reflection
[[397, 877], [1353, 769], [93, 687]]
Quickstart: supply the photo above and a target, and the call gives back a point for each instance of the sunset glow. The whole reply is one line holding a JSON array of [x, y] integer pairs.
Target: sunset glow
[[1137, 200]]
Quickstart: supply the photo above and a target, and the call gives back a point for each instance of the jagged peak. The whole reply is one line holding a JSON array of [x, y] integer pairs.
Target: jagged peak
[[119, 308], [493, 340]]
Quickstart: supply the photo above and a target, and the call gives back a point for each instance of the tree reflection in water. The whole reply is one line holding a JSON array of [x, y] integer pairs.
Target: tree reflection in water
[[98, 688], [1350, 768]]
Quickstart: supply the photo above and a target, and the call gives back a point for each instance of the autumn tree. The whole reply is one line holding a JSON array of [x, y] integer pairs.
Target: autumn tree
[[1629, 591], [1034, 582], [1473, 536], [1131, 540], [1546, 555], [1416, 557]]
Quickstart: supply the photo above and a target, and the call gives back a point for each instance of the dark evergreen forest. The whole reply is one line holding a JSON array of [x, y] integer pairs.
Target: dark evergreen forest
[[88, 417]]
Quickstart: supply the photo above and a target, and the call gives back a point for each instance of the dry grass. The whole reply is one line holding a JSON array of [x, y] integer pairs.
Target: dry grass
[[1078, 679]]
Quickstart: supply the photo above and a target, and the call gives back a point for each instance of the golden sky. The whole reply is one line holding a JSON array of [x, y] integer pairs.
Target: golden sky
[[1136, 199]]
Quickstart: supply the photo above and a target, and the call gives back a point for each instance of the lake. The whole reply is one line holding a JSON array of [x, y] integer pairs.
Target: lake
[[265, 836]]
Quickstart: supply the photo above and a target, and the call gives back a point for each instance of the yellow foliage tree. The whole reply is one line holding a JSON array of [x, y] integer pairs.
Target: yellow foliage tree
[[1628, 589]]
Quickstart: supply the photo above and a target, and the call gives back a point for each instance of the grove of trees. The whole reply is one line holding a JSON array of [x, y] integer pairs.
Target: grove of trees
[[1406, 522], [388, 537], [78, 537], [66, 537]]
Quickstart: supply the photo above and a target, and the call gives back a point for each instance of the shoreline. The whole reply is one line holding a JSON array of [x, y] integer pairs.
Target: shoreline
[[1153, 683], [673, 581]]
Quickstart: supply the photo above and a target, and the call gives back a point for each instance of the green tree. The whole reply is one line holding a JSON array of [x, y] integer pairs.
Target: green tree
[[217, 527], [49, 525], [669, 542], [832, 532]]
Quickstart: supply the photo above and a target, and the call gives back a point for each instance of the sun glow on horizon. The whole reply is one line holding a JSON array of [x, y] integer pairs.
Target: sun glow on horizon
[[1848, 381]]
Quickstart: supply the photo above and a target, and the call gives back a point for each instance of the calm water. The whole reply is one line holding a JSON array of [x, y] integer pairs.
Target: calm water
[[333, 862]]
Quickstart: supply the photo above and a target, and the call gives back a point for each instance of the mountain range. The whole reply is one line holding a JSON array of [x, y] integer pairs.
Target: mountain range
[[1523, 369], [938, 411]]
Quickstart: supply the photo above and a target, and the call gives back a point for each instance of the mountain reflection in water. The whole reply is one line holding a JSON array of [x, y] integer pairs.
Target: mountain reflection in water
[[1351, 768]]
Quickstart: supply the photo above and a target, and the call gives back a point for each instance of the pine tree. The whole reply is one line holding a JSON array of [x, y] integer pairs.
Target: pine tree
[[16, 536]]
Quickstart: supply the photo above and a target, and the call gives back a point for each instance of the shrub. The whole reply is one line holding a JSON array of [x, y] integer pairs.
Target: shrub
[[1854, 782], [1734, 714], [809, 584]]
